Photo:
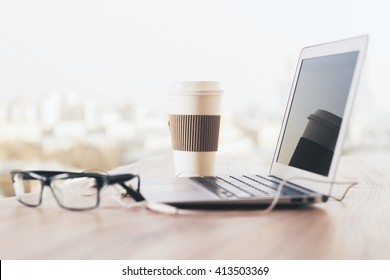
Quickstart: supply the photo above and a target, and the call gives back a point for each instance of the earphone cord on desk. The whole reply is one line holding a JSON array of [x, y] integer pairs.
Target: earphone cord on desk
[[349, 185], [168, 209], [172, 210]]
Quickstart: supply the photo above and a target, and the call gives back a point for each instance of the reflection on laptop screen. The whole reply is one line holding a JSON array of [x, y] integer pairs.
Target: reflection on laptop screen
[[317, 111]]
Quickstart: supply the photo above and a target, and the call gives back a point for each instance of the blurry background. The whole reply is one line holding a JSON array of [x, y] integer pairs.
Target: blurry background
[[83, 82]]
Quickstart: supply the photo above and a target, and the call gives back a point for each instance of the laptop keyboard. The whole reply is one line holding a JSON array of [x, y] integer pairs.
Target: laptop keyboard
[[245, 186]]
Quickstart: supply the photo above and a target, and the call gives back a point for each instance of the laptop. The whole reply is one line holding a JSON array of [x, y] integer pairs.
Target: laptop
[[309, 144]]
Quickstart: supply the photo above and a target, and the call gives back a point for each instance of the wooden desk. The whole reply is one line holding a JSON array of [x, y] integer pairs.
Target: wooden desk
[[358, 228]]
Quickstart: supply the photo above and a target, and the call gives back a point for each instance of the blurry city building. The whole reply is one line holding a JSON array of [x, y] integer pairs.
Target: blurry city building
[[63, 131]]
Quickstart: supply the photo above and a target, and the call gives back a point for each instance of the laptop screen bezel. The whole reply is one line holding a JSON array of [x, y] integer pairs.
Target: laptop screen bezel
[[315, 182]]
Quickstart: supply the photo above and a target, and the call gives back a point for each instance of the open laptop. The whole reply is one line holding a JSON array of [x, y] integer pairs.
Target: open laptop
[[309, 144]]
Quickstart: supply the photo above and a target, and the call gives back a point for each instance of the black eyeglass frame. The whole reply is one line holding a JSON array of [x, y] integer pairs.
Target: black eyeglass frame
[[102, 180]]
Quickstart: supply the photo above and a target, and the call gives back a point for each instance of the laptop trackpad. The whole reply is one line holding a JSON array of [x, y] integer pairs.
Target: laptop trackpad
[[174, 190]]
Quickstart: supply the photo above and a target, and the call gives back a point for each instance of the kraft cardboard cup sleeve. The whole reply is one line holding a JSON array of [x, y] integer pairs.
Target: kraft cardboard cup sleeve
[[194, 122], [194, 133]]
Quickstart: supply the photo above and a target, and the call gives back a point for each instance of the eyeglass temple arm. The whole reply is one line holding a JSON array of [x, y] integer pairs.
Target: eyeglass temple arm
[[120, 179]]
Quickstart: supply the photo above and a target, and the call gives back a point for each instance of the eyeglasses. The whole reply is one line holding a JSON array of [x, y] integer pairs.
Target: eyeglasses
[[72, 190]]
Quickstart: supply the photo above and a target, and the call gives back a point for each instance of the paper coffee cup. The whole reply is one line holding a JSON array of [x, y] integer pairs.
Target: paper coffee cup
[[194, 120]]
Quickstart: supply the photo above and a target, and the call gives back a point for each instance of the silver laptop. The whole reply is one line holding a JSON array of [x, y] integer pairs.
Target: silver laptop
[[308, 147]]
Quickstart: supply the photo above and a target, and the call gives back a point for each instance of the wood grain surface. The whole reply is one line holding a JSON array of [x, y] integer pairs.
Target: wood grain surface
[[357, 228]]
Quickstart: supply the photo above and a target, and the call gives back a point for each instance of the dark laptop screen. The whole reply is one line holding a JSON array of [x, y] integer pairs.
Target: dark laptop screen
[[317, 111]]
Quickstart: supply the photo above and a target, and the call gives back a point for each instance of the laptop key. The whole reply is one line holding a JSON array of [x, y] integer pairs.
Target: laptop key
[[212, 187], [269, 184], [287, 188], [228, 187], [245, 186]]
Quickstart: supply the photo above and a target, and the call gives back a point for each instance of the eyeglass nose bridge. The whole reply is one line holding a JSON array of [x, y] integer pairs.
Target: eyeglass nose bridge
[[46, 182]]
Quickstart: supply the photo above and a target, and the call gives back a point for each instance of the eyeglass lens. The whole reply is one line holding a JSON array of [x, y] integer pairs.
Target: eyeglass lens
[[27, 191], [74, 193]]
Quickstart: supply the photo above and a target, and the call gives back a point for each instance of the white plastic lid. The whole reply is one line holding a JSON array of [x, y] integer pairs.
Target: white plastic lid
[[195, 87]]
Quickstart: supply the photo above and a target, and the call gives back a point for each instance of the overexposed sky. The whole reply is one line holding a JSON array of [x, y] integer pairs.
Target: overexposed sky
[[125, 49]]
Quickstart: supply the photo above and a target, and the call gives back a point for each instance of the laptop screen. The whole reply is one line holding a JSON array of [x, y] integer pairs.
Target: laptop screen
[[316, 112]]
